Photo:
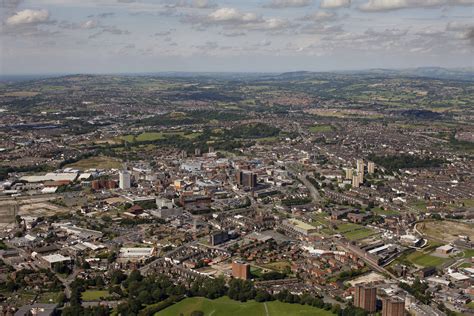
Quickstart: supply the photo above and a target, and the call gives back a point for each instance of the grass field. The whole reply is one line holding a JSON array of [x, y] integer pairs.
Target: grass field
[[99, 162], [468, 253], [228, 307], [321, 128], [94, 295], [152, 136], [277, 265], [48, 297], [379, 211], [425, 260], [354, 231]]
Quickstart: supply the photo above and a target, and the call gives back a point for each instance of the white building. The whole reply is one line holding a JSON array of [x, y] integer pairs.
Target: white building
[[124, 180]]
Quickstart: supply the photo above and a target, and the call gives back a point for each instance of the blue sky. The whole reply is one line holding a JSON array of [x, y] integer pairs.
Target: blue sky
[[111, 36]]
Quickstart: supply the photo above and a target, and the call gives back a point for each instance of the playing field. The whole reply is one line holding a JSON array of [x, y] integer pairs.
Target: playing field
[[226, 307], [425, 260], [354, 231]]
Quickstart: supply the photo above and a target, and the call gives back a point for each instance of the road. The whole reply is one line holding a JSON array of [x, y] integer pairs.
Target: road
[[302, 177]]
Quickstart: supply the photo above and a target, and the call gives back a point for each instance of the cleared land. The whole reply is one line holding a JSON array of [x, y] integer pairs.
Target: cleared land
[[228, 307], [447, 231], [99, 162]]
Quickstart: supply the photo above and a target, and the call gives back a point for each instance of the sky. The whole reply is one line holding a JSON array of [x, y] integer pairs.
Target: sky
[[134, 36]]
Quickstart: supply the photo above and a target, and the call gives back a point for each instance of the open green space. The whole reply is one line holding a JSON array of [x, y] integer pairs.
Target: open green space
[[226, 306], [380, 211], [425, 260], [469, 253], [354, 232], [49, 297], [99, 162], [321, 128], [152, 136], [279, 266], [94, 295]]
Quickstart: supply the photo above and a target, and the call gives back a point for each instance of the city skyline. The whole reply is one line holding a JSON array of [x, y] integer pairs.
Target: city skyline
[[120, 36]]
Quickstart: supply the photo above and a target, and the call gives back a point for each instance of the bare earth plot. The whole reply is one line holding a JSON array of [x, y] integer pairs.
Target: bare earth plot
[[446, 230]]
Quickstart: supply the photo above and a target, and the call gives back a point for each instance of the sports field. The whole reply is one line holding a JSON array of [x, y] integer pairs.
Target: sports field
[[226, 306], [425, 260], [354, 232]]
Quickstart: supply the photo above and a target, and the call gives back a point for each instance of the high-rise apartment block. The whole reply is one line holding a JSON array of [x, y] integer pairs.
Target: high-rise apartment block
[[124, 180], [240, 270], [355, 181], [365, 297], [393, 307], [370, 167], [360, 166], [349, 172]]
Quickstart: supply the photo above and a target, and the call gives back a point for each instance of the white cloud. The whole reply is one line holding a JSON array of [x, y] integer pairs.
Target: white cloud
[[278, 4], [334, 4], [89, 24], [320, 16], [28, 17], [197, 4], [387, 5], [232, 15]]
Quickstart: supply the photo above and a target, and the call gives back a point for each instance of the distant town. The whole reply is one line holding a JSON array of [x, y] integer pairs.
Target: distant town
[[288, 194]]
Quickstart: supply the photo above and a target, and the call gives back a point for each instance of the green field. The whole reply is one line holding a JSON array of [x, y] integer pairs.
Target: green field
[[468, 253], [379, 211], [94, 295], [320, 128], [152, 136], [49, 297], [425, 260], [354, 232], [99, 162], [279, 266], [226, 307]]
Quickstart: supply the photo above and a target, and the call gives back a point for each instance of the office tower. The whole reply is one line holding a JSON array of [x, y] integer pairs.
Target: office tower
[[124, 180], [365, 297], [355, 181], [240, 270], [246, 179], [349, 173], [370, 167], [393, 307]]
